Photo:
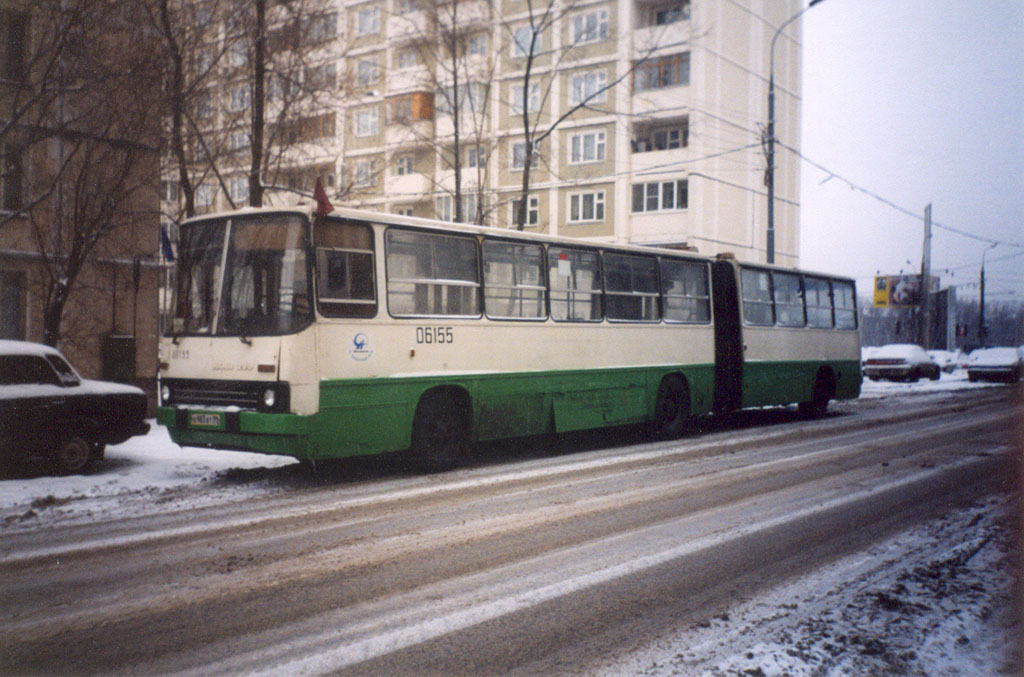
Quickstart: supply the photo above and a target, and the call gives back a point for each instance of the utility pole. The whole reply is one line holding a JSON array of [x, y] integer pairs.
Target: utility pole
[[926, 288], [981, 301]]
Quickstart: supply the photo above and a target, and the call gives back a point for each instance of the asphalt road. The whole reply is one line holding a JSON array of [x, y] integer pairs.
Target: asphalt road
[[536, 558]]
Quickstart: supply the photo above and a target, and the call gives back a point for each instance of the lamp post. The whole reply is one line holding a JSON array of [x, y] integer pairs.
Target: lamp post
[[981, 299], [770, 171]]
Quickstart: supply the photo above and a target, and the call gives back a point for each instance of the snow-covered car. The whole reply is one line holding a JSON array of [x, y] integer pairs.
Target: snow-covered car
[[948, 360], [47, 408], [900, 362], [995, 364]]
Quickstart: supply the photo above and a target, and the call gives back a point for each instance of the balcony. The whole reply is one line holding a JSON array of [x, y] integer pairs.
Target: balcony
[[410, 26], [407, 186]]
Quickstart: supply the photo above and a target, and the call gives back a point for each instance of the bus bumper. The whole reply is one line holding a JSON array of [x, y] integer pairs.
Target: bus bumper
[[279, 434]]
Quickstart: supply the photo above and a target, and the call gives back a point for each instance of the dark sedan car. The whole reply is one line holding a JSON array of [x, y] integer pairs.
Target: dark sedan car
[[47, 408]]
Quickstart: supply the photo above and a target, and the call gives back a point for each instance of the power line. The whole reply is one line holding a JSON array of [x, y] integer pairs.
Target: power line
[[890, 203]]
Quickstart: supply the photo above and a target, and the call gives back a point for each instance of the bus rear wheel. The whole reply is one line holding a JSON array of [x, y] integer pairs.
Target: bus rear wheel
[[824, 390], [440, 431], [671, 409]]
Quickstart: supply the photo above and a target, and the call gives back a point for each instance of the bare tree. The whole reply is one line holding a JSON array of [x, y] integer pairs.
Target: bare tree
[[81, 118], [531, 37], [246, 87]]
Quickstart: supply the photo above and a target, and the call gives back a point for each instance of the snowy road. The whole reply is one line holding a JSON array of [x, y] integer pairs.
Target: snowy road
[[534, 560]]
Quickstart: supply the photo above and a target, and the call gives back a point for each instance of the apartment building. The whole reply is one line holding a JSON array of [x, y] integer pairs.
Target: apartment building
[[647, 118], [78, 206]]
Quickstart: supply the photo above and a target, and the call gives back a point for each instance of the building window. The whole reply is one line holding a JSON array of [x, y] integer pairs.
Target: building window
[[367, 72], [366, 122], [471, 98], [366, 173], [12, 305], [477, 45], [671, 13], [590, 27], [666, 71], [525, 40], [586, 207], [13, 35], [238, 141], [475, 157], [532, 211], [323, 76], [533, 104], [519, 155], [405, 6], [664, 136], [240, 98], [588, 147], [11, 178], [589, 88], [660, 196], [368, 21], [408, 58], [403, 165], [169, 191], [239, 189], [205, 194], [445, 206], [321, 27]]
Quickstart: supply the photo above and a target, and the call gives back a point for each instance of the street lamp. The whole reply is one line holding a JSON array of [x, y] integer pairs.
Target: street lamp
[[770, 171], [981, 299]]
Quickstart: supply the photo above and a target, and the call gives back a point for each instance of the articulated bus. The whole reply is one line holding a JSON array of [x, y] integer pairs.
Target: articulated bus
[[361, 333]]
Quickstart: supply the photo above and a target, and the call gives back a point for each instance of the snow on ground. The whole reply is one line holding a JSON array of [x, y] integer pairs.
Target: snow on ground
[[936, 600]]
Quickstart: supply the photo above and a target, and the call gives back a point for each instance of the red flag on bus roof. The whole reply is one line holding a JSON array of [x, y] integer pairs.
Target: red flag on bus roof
[[323, 205]]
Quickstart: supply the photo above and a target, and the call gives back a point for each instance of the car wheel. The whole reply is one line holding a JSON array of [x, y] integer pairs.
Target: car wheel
[[934, 376], [972, 377], [73, 455], [913, 376]]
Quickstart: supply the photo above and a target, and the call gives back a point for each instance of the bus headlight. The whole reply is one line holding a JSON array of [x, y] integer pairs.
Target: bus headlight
[[165, 394], [269, 398]]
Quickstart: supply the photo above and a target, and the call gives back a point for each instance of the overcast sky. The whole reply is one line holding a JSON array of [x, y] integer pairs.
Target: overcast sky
[[916, 101]]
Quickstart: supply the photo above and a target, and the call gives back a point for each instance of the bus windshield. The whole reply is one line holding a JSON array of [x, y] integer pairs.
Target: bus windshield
[[242, 276]]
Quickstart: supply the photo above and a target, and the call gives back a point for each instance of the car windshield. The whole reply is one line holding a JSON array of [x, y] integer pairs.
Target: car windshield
[[242, 276]]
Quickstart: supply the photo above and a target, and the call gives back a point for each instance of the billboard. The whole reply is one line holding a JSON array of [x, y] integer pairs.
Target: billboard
[[900, 291]]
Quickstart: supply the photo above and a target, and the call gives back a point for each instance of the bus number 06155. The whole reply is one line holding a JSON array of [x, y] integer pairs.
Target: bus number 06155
[[434, 335]]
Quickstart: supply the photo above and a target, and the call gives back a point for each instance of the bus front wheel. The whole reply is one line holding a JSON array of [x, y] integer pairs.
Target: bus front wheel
[[672, 408], [440, 431]]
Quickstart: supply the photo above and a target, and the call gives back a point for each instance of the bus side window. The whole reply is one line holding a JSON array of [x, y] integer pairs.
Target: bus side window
[[818, 294], [789, 301], [432, 275], [631, 288], [757, 297], [513, 280], [345, 269], [684, 288], [574, 276], [845, 302]]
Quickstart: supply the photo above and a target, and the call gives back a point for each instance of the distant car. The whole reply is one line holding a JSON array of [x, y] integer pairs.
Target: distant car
[[900, 362], [948, 360], [47, 408], [996, 364]]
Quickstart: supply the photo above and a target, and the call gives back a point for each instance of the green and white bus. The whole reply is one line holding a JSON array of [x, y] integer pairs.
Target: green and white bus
[[361, 333]]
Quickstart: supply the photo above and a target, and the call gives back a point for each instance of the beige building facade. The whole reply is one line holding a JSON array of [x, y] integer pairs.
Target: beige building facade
[[667, 147]]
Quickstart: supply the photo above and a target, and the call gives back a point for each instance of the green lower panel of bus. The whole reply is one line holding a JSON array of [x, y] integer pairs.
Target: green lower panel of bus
[[771, 383], [370, 416]]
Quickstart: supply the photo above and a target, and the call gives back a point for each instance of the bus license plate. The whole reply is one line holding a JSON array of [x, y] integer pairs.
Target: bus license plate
[[205, 420]]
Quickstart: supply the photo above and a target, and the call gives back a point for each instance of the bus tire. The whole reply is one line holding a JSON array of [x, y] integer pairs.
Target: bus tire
[[672, 408], [824, 390], [440, 430]]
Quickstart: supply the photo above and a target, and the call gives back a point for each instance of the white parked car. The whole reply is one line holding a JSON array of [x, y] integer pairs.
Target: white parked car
[[948, 360], [996, 364], [900, 362]]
